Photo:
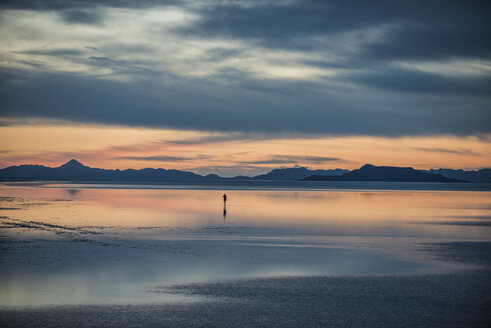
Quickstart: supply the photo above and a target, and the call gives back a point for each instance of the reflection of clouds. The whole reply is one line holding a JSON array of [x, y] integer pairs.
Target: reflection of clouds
[[346, 210]]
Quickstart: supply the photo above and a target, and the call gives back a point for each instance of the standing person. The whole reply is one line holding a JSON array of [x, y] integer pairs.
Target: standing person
[[224, 199]]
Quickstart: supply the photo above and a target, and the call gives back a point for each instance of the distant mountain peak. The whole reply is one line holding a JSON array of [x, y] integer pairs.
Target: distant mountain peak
[[73, 164], [385, 173], [295, 173]]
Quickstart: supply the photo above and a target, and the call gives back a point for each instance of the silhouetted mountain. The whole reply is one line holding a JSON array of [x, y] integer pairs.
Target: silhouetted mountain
[[73, 164], [76, 171], [296, 173], [212, 177], [73, 170], [370, 172], [483, 175]]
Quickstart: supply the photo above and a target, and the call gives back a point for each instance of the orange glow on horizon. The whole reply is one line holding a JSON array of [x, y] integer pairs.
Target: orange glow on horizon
[[115, 147]]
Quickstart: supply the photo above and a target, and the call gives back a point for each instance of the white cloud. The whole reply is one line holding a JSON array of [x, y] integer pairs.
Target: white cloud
[[131, 41], [456, 67]]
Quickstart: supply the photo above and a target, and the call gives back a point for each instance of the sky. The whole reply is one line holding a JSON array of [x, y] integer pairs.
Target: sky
[[241, 87]]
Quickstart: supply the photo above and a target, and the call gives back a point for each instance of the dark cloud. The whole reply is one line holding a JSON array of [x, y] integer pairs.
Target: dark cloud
[[231, 171], [163, 158], [77, 16], [80, 4], [203, 140], [445, 150], [219, 54], [105, 61], [34, 63], [423, 82], [292, 24], [432, 42], [204, 105], [291, 159], [366, 94], [53, 52], [121, 65], [218, 138], [416, 29]]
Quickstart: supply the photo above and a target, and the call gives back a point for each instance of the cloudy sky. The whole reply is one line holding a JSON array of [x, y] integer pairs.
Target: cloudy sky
[[240, 87]]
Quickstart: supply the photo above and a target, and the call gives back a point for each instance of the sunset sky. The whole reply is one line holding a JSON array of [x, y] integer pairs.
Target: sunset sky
[[241, 87]]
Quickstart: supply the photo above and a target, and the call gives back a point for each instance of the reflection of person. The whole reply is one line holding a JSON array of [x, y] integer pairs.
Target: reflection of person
[[224, 206]]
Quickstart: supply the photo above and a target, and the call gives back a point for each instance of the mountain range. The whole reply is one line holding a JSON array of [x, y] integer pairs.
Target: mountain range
[[370, 172], [482, 175], [73, 170], [294, 173]]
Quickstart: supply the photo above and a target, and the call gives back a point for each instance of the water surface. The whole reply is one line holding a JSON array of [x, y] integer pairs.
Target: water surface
[[114, 244]]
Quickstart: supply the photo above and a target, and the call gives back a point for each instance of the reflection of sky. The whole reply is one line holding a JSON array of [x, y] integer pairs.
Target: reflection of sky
[[149, 238], [343, 210]]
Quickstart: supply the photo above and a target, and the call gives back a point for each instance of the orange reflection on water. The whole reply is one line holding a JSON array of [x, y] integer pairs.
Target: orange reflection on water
[[278, 208]]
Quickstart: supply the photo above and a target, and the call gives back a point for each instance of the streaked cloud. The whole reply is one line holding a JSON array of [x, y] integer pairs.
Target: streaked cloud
[[446, 150], [292, 159], [84, 16], [163, 158], [330, 68]]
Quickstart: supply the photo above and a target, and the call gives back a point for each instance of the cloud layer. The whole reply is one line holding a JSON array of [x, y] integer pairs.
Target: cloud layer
[[330, 68]]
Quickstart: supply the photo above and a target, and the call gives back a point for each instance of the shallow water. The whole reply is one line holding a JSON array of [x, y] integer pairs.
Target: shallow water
[[109, 244]]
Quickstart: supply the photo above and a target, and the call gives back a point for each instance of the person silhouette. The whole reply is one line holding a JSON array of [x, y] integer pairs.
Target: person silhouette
[[224, 199]]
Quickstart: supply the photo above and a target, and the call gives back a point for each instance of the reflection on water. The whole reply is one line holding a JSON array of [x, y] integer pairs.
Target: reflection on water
[[94, 245], [345, 211]]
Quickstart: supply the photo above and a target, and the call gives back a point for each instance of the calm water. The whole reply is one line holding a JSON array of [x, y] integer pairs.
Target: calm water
[[99, 244]]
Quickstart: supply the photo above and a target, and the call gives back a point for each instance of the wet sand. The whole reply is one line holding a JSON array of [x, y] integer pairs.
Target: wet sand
[[460, 299]]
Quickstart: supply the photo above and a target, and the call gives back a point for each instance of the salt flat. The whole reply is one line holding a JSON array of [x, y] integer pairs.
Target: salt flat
[[311, 258]]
